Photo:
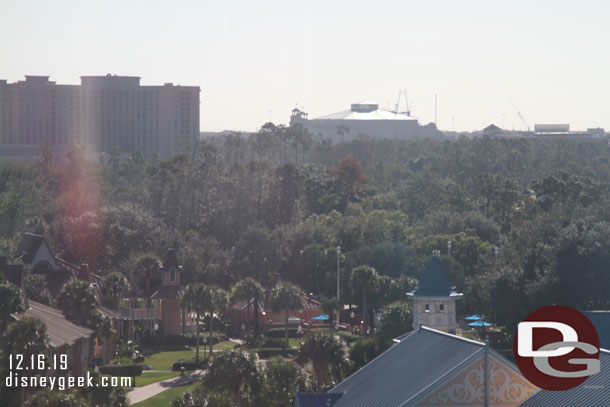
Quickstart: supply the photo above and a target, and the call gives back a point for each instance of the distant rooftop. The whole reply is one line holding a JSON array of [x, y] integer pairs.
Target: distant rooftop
[[434, 282], [366, 110]]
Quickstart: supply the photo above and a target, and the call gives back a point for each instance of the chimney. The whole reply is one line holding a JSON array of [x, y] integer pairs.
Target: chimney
[[83, 273]]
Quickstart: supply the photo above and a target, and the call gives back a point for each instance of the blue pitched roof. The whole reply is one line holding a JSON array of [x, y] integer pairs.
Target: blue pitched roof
[[434, 282], [316, 400], [592, 393], [601, 322], [408, 369]]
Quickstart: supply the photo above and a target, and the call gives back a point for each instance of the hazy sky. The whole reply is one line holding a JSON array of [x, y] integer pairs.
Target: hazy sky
[[552, 58]]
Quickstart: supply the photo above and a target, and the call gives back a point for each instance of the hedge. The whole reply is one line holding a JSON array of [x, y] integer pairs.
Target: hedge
[[279, 333], [185, 340], [188, 365], [121, 370], [270, 352]]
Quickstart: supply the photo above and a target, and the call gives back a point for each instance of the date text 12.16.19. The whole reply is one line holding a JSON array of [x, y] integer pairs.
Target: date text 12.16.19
[[38, 362]]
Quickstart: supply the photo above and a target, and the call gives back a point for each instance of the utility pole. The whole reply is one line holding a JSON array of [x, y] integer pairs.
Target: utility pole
[[487, 372], [435, 110], [338, 282]]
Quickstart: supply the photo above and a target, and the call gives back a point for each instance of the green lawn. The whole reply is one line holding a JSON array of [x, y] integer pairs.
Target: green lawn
[[165, 360], [165, 398], [153, 377]]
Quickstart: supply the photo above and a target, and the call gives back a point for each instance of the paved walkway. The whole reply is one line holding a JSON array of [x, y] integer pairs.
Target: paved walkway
[[142, 393]]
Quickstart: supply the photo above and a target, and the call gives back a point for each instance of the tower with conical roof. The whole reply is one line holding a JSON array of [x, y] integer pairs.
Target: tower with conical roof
[[434, 298]]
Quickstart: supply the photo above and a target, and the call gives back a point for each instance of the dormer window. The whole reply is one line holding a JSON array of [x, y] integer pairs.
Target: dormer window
[[442, 307], [172, 276], [427, 307]]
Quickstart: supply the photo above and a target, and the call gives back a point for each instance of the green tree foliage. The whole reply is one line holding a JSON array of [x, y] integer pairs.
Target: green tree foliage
[[197, 299], [115, 286], [396, 319], [36, 288], [218, 303], [238, 206], [364, 282], [236, 374], [11, 301], [325, 351], [282, 377], [286, 297], [78, 303], [27, 337], [248, 289]]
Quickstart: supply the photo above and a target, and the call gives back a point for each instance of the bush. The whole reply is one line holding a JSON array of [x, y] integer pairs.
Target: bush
[[121, 370], [348, 337], [272, 343], [270, 352], [185, 340], [263, 342], [279, 333], [365, 350], [188, 365]]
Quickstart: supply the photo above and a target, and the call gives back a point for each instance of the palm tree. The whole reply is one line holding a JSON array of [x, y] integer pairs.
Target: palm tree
[[78, 303], [323, 349], [146, 267], [196, 298], [235, 373], [10, 302], [219, 302], [364, 280], [248, 289], [288, 297], [115, 285], [75, 300], [27, 337]]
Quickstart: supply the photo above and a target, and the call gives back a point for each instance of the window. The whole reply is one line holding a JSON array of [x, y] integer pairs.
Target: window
[[172, 275], [442, 307], [427, 307], [42, 266]]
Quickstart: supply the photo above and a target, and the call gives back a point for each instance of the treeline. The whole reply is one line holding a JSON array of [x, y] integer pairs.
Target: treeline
[[280, 201]]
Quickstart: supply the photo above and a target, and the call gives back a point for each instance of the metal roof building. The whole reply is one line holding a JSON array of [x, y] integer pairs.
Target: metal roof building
[[594, 392], [363, 119], [429, 367]]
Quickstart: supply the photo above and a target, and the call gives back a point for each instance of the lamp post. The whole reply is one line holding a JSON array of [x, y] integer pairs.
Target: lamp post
[[134, 356], [449, 247], [496, 251], [205, 345], [338, 281]]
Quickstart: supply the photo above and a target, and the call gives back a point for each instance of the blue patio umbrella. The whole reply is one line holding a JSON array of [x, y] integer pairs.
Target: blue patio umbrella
[[474, 317], [321, 317], [480, 323]]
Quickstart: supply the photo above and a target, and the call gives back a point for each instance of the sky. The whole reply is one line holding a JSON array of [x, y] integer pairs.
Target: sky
[[257, 60]]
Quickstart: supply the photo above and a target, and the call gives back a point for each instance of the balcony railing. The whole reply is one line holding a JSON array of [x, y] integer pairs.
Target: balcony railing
[[139, 313]]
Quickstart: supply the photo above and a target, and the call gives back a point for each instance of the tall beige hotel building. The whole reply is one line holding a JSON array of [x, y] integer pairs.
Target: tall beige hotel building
[[106, 113]]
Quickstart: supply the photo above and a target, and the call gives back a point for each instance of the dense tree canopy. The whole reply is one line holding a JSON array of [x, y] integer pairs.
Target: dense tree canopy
[[275, 204]]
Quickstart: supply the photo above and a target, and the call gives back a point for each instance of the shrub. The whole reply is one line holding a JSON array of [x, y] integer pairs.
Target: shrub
[[348, 337], [279, 333], [270, 352], [121, 370], [188, 365]]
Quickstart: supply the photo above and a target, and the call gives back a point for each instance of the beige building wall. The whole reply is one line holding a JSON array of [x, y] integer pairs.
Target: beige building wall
[[105, 112]]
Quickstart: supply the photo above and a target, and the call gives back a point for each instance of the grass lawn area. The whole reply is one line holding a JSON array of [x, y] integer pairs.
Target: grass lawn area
[[165, 398], [165, 360], [153, 377]]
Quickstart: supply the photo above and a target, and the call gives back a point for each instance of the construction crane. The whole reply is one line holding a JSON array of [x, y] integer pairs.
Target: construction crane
[[400, 93], [520, 115]]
